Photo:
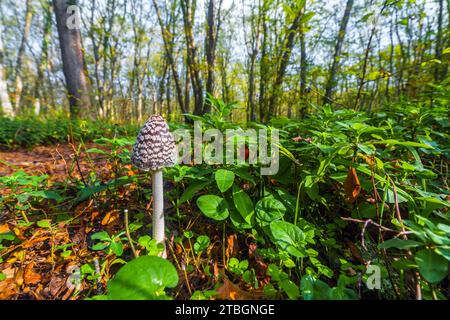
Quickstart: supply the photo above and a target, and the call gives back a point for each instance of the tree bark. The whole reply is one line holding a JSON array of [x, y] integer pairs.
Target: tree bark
[[439, 71], [188, 8], [4, 96], [20, 56], [212, 33], [168, 47], [287, 50], [43, 61], [73, 63], [337, 53]]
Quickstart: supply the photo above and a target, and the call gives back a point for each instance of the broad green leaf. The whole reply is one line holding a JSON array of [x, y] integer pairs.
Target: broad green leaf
[[44, 224], [201, 244], [224, 179], [102, 236], [399, 244], [269, 209], [144, 278], [51, 195], [117, 247], [243, 204], [313, 289], [87, 192], [213, 207], [96, 150], [289, 237], [311, 188], [192, 190], [404, 143], [433, 267], [444, 251], [290, 288]]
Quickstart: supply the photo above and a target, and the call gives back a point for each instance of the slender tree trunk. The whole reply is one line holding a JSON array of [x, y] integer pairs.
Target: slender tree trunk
[[21, 54], [188, 8], [187, 89], [263, 66], [210, 46], [331, 83], [40, 98], [253, 55], [303, 72], [366, 61], [168, 47], [286, 54], [391, 62], [439, 71], [73, 63], [4, 95], [212, 34]]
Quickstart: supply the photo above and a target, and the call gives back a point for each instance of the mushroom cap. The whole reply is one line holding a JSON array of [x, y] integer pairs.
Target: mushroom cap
[[155, 146]]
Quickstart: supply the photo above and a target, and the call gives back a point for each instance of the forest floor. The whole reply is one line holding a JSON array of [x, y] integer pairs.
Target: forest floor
[[39, 267], [32, 269], [50, 160]]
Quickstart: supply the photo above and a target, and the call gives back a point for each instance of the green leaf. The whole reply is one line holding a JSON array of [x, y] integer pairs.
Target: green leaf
[[87, 192], [313, 289], [51, 195], [269, 209], [224, 179], [117, 247], [8, 236], [44, 224], [213, 207], [243, 173], [100, 246], [404, 143], [243, 204], [444, 251], [144, 278], [102, 236], [342, 293], [290, 288], [433, 267], [367, 149], [311, 188], [399, 244], [96, 150], [201, 244], [192, 190], [289, 237]]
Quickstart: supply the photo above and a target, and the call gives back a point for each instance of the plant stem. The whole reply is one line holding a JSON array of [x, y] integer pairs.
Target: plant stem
[[158, 208], [127, 230]]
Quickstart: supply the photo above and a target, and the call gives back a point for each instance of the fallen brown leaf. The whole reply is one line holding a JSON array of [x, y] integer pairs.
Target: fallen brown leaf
[[31, 277], [230, 291], [111, 217], [352, 187]]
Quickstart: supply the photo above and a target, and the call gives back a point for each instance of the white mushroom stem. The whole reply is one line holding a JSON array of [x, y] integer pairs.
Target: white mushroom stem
[[158, 208]]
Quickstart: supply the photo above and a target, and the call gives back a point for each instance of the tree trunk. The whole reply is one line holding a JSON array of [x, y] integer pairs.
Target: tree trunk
[[5, 102], [73, 62], [439, 71], [303, 71], [168, 47], [188, 8], [40, 98], [21, 55], [212, 33], [287, 50], [337, 53], [366, 61], [263, 65]]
